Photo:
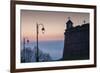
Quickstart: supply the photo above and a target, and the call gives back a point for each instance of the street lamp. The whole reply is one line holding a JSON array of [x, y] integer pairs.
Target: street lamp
[[37, 31]]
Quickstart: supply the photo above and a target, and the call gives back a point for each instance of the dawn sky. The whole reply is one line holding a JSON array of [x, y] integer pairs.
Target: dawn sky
[[54, 23]]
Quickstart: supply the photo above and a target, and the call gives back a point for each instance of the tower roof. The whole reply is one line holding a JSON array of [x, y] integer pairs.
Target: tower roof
[[69, 22]]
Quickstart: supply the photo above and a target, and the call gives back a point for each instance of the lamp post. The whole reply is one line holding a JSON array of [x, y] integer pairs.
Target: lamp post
[[37, 33]]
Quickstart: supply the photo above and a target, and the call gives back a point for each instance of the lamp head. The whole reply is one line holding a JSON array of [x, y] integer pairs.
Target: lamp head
[[43, 30]]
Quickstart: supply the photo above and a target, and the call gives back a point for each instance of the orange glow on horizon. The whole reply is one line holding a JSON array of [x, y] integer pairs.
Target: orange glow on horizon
[[45, 37]]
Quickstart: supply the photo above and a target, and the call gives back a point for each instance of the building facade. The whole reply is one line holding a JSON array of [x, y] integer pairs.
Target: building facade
[[76, 42]]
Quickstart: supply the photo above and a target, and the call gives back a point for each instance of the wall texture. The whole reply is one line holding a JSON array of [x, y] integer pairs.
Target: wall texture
[[76, 43]]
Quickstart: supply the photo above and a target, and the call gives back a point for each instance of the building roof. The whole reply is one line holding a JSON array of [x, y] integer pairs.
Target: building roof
[[78, 28], [69, 22]]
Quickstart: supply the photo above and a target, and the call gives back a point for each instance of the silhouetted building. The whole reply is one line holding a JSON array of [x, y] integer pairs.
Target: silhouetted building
[[76, 42]]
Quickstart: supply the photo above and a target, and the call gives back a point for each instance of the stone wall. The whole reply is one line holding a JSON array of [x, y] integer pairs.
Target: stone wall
[[76, 43]]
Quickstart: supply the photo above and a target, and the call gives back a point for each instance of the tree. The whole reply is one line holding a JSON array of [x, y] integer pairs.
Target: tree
[[29, 55]]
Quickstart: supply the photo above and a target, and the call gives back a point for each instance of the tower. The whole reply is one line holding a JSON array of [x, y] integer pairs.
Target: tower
[[69, 23]]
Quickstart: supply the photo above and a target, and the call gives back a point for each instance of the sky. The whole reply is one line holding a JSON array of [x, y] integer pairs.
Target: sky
[[54, 23]]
